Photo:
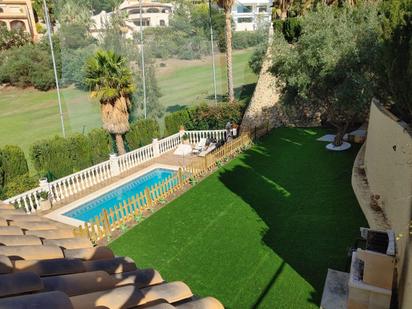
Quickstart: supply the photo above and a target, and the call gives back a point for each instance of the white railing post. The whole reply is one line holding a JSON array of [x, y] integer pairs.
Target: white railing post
[[114, 165], [156, 148]]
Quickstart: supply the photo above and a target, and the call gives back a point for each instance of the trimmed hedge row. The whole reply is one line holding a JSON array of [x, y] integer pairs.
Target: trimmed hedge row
[[141, 133], [204, 117], [58, 157], [13, 165]]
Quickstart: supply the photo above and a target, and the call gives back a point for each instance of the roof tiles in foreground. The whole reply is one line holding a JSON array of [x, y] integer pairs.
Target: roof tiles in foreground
[[42, 265]]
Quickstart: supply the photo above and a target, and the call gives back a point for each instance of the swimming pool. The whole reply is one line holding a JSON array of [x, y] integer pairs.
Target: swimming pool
[[93, 208]]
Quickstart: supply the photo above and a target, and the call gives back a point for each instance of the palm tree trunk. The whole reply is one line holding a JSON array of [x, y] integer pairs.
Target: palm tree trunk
[[120, 144], [229, 64]]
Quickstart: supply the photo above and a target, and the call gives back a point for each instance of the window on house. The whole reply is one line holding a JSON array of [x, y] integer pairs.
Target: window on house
[[152, 10], [135, 11], [145, 22], [162, 22], [17, 25], [1, 10], [165, 11], [244, 9], [262, 9], [244, 20]]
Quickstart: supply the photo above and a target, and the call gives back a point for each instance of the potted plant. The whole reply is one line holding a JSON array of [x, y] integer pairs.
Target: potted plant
[[185, 138], [45, 203]]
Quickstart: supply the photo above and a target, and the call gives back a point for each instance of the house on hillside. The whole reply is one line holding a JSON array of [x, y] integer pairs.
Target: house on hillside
[[248, 15], [18, 14], [154, 14]]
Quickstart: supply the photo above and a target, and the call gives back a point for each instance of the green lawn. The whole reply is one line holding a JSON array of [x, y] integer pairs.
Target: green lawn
[[28, 115], [192, 84], [260, 232]]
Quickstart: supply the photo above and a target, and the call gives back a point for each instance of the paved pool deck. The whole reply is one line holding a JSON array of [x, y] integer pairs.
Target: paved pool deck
[[167, 160]]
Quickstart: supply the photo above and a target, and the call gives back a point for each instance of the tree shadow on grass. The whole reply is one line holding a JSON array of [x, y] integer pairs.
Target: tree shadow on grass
[[243, 93], [175, 108], [303, 194]]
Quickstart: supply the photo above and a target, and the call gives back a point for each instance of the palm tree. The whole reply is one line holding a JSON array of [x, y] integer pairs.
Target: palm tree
[[227, 7], [111, 81]]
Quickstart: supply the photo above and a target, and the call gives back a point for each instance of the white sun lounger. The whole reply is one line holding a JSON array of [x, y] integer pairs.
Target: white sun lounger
[[209, 149], [200, 146], [183, 150]]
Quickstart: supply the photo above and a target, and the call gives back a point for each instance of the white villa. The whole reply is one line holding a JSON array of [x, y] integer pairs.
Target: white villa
[[249, 14], [154, 14]]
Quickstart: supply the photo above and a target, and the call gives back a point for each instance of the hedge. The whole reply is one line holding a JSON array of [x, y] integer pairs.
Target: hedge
[[204, 117], [141, 133], [58, 157], [19, 184], [175, 120], [12, 164]]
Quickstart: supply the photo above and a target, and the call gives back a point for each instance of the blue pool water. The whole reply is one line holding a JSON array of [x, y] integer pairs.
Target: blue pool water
[[113, 198]]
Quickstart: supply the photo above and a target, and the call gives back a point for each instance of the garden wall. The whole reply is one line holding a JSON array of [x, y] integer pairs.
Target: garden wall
[[386, 162]]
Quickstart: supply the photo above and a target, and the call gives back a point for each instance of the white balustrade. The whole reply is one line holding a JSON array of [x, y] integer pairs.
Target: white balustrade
[[68, 186], [169, 143], [195, 136], [135, 157], [29, 200]]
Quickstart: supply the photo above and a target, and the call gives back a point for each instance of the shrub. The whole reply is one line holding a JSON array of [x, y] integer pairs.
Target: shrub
[[12, 164], [175, 120], [58, 157], [13, 38], [278, 25], [256, 60], [29, 65], [204, 117], [100, 145], [292, 29], [19, 184], [142, 133]]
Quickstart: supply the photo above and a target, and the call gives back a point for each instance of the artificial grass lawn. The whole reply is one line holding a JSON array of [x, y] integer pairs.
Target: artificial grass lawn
[[261, 231]]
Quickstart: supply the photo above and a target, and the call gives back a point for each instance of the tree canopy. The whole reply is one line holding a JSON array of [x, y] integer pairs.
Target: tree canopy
[[332, 65]]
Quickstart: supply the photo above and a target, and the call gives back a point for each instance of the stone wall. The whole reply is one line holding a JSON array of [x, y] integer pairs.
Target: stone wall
[[266, 108], [383, 169]]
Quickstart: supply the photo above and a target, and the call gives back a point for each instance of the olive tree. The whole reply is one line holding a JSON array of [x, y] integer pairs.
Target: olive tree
[[331, 66]]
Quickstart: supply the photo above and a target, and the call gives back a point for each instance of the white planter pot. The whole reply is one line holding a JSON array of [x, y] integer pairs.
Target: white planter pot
[[45, 205]]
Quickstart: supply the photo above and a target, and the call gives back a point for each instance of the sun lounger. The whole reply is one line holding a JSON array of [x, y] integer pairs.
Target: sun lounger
[[183, 150], [208, 150], [200, 146]]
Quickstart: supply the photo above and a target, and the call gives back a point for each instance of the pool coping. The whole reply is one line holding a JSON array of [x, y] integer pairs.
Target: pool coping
[[58, 214]]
